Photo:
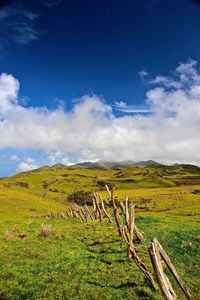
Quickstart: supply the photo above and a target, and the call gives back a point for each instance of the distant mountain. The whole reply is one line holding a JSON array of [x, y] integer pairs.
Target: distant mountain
[[43, 168], [147, 163], [126, 175], [90, 166], [58, 166], [188, 167], [105, 165]]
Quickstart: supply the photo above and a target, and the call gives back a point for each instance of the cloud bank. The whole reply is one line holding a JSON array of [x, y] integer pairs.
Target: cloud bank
[[91, 131]]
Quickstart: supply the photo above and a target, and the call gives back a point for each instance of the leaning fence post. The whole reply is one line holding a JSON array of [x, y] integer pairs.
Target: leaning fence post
[[89, 213], [84, 214], [137, 260], [125, 213], [94, 208], [156, 252], [115, 210], [103, 208], [122, 208], [165, 285], [138, 234], [97, 206], [131, 226], [126, 210], [109, 194], [67, 213]]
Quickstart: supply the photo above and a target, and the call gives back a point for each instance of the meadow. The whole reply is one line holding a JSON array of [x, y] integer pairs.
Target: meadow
[[82, 260]]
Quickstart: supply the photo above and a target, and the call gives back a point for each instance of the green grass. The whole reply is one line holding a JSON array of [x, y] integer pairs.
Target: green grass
[[89, 260]]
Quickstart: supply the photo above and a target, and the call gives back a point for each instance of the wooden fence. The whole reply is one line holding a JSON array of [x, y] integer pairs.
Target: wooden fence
[[124, 216]]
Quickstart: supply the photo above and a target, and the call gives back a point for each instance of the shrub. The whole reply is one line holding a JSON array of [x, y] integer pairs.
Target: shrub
[[45, 230], [81, 197]]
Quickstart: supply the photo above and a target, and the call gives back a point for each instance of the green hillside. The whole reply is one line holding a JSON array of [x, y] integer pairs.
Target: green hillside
[[89, 260]]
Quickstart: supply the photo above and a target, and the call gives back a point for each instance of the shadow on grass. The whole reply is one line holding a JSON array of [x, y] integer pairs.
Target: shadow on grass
[[104, 251], [108, 262], [120, 286]]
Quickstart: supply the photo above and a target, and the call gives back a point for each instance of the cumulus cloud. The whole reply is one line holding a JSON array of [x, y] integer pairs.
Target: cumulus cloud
[[27, 164], [184, 77], [91, 131], [9, 87]]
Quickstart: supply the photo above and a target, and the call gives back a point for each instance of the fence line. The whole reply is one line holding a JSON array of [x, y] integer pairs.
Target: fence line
[[125, 223]]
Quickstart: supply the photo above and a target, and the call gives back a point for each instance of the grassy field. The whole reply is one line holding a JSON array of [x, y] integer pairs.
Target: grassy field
[[89, 260]]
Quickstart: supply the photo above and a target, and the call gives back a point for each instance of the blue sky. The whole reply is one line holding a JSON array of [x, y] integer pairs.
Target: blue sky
[[113, 78]]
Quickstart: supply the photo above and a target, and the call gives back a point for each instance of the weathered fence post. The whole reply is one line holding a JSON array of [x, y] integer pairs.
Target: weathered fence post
[[103, 208], [97, 206], [156, 252], [89, 213], [115, 210], [125, 212], [137, 260], [131, 227]]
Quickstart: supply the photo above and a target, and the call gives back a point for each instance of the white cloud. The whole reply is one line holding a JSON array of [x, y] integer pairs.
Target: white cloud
[[55, 157], [143, 74], [166, 81], [27, 164], [120, 104], [14, 157], [17, 24], [9, 87], [123, 107], [185, 76], [91, 131]]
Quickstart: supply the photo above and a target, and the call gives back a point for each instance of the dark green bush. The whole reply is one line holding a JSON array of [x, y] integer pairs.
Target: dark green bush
[[81, 197]]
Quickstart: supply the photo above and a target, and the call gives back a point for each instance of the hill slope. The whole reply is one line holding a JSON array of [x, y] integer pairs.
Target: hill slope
[[89, 260]]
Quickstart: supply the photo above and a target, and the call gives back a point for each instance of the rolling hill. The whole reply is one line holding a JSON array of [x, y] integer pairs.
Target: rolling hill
[[88, 260]]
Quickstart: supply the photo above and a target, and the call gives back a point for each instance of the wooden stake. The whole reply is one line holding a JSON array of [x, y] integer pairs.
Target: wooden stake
[[78, 210], [116, 212], [89, 213], [75, 214], [138, 234], [109, 193], [126, 211], [103, 208], [131, 227], [94, 208], [123, 209], [62, 215], [157, 248], [67, 213], [137, 260], [164, 283], [97, 206], [84, 213], [71, 212]]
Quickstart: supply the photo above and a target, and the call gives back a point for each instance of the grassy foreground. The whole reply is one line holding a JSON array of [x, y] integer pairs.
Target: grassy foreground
[[89, 260]]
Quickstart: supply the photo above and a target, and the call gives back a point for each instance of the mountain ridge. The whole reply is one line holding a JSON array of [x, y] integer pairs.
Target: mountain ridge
[[106, 165]]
